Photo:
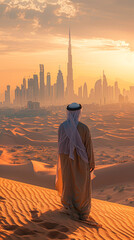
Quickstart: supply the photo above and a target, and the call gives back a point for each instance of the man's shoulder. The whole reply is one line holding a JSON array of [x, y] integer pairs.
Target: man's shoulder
[[82, 125], [62, 124], [83, 129]]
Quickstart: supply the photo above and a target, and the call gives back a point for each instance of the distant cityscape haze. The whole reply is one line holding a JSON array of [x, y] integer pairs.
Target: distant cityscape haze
[[39, 90], [34, 32]]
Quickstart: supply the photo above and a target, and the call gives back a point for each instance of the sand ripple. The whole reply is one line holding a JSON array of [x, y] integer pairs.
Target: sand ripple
[[31, 212]]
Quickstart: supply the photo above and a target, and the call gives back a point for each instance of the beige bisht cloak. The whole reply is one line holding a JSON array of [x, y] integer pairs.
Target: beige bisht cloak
[[73, 181]]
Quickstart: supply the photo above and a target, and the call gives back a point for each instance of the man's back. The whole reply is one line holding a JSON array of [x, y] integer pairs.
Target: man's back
[[86, 139], [76, 160]]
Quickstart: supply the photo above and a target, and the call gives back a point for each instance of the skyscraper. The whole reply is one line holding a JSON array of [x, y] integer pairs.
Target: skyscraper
[[116, 91], [98, 92], [35, 87], [70, 82], [60, 87], [7, 95], [48, 86], [24, 83], [42, 85], [131, 93], [17, 100], [105, 89], [22, 95], [85, 92]]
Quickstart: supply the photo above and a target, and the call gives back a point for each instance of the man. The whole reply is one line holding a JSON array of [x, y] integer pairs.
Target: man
[[75, 163]]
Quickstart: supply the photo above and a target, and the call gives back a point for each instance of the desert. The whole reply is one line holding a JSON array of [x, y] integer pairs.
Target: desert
[[30, 207]]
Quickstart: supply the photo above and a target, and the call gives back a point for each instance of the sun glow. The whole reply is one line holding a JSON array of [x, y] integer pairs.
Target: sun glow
[[34, 32]]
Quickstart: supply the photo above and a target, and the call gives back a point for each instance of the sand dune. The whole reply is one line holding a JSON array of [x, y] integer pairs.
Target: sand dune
[[113, 140], [113, 183], [28, 154], [8, 137], [109, 131], [34, 173], [105, 175], [31, 212], [107, 128], [116, 174]]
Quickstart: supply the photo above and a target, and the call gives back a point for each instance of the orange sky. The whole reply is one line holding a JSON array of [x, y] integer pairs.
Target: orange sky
[[34, 32]]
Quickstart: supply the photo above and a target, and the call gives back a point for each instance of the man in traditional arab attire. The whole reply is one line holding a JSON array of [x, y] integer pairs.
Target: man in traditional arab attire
[[75, 163]]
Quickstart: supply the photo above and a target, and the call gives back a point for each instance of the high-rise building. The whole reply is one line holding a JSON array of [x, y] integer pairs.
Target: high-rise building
[[7, 95], [22, 95], [48, 86], [116, 92], [126, 94], [30, 89], [24, 83], [60, 87], [17, 100], [98, 92], [70, 82], [105, 89], [35, 88], [85, 92], [132, 93], [42, 84]]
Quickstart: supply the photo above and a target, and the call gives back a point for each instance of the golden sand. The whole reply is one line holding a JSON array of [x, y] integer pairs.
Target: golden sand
[[32, 212]]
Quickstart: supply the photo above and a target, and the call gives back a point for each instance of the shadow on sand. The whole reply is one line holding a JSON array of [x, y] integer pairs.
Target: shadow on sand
[[48, 225]]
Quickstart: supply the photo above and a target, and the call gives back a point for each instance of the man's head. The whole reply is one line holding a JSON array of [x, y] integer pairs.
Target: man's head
[[74, 107], [73, 112]]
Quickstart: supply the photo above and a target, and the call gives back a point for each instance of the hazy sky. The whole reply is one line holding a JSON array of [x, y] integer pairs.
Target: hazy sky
[[36, 31]]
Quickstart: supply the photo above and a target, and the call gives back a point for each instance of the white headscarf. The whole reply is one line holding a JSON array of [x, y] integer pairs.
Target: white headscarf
[[69, 137]]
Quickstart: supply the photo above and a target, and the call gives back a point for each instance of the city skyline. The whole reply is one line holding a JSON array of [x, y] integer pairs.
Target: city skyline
[[33, 33], [90, 80], [38, 90], [34, 93]]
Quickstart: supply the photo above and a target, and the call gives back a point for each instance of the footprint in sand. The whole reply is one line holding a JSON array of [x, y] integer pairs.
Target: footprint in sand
[[58, 233], [34, 213], [38, 220], [49, 225], [20, 231], [2, 199], [63, 228], [35, 216], [23, 231], [9, 227]]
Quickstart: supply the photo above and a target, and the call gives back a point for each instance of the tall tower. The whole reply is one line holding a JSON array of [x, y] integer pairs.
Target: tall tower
[[42, 85], [98, 92], [105, 89], [85, 92], [48, 86], [60, 87], [35, 87], [116, 92], [70, 82], [7, 95]]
